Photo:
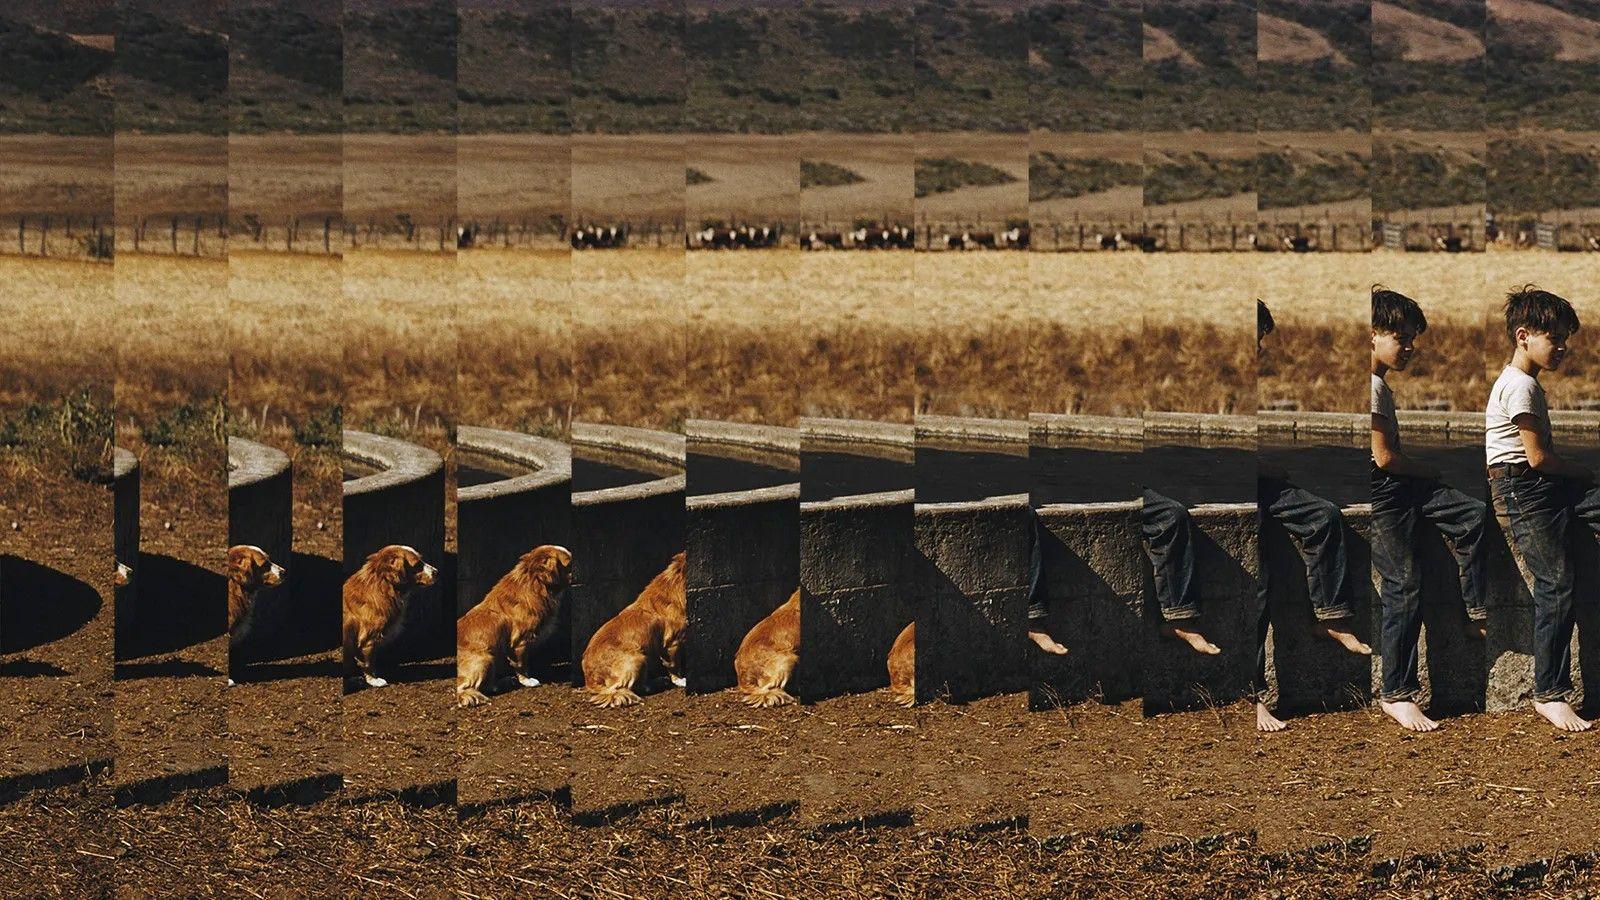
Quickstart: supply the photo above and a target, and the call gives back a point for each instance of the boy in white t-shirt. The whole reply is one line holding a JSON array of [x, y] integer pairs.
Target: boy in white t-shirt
[[1405, 490], [1537, 493]]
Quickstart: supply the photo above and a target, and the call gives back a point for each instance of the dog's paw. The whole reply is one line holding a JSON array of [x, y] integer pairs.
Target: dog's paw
[[375, 681], [528, 681], [471, 698], [679, 681]]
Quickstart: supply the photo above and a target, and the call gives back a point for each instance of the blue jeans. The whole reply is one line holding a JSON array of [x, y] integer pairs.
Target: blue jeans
[[1537, 511], [1319, 529], [1397, 503], [1169, 542]]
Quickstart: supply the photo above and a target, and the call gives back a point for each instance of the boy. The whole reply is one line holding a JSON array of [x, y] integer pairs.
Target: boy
[[1318, 527], [1536, 492], [1403, 490]]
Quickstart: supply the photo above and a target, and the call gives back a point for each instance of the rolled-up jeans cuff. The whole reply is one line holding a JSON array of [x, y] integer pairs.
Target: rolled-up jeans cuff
[[1401, 697], [1180, 613], [1480, 614], [1036, 614], [1334, 613], [1561, 696]]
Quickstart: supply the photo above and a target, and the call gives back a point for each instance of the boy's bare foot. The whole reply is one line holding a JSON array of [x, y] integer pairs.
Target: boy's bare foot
[[1193, 638], [1560, 714], [1408, 714], [1477, 629], [1340, 632], [1266, 721], [1046, 643]]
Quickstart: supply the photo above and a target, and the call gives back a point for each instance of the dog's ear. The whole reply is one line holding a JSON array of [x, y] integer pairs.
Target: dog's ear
[[239, 562]]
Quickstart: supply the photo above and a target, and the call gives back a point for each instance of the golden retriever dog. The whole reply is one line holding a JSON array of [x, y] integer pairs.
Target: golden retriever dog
[[517, 615], [249, 570], [374, 603], [903, 667], [649, 628], [767, 656], [123, 575]]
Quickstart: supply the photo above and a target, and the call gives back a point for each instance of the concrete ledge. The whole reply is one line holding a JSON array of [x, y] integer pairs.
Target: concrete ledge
[[880, 440], [1200, 425], [623, 536], [971, 576], [498, 521], [743, 548], [261, 512], [1047, 428], [125, 528], [970, 433], [401, 503]]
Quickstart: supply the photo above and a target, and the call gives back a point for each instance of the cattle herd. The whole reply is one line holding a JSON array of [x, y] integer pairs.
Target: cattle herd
[[900, 237]]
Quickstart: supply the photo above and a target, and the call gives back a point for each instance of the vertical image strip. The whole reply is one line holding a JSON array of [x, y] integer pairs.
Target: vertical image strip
[[1317, 626], [285, 401], [629, 619], [513, 461], [64, 566], [857, 368], [1086, 408], [398, 595], [744, 326], [171, 159], [974, 526], [1198, 522]]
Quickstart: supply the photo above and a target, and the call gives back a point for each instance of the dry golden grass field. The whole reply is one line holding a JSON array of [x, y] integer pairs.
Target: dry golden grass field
[[1088, 338], [400, 347], [628, 340], [512, 323]]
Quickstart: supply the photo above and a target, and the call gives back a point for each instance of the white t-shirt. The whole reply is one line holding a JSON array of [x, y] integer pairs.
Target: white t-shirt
[[1383, 405], [1515, 392]]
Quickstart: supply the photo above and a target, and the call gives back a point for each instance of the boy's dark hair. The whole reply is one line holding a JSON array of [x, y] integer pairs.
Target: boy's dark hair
[[1538, 311], [1396, 313], [1264, 323]]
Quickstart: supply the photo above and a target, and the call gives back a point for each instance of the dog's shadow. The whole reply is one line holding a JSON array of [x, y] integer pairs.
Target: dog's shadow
[[41, 604], [179, 605]]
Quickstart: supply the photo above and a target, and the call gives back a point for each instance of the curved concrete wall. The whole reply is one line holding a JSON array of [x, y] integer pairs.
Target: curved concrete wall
[[856, 556], [624, 536], [261, 512], [743, 548], [499, 521], [402, 503], [125, 526]]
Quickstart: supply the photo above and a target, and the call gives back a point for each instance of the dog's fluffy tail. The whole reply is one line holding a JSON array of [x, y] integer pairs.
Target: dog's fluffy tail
[[764, 696], [613, 696], [471, 697]]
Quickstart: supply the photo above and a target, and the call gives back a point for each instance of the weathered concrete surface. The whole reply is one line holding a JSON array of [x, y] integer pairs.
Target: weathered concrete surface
[[401, 503], [622, 537], [743, 548], [261, 512], [856, 566], [125, 526], [1226, 568], [971, 573], [744, 562], [1094, 580], [497, 522]]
